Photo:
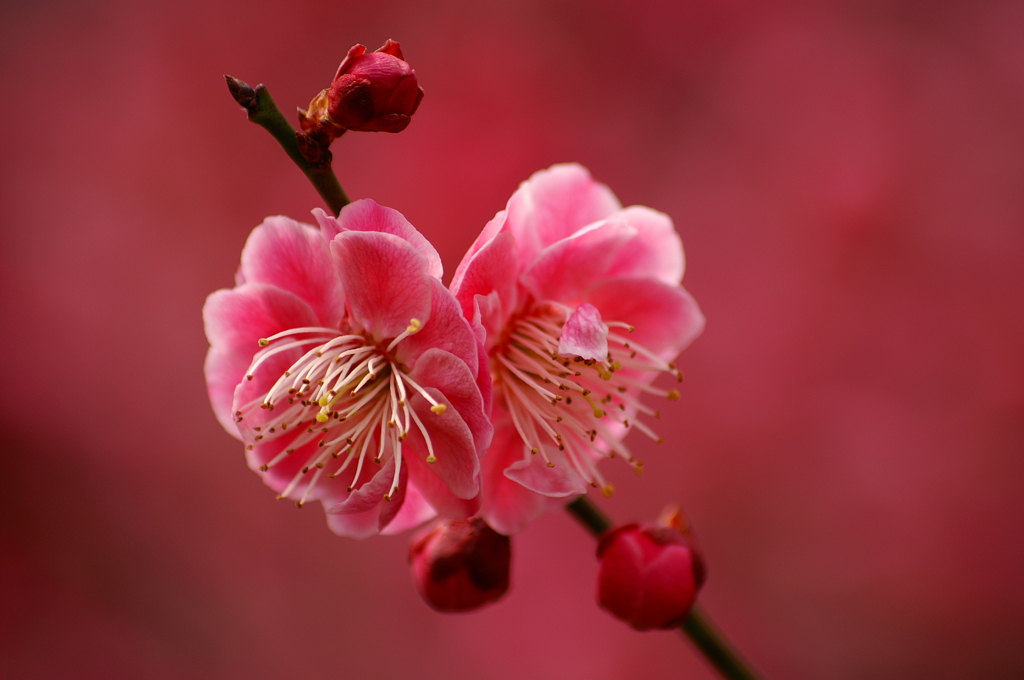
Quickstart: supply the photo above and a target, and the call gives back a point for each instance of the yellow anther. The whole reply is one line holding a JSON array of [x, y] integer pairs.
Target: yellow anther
[[323, 416], [324, 401], [598, 413], [607, 490], [263, 342], [431, 458], [606, 375], [550, 464], [438, 408], [414, 326], [673, 395]]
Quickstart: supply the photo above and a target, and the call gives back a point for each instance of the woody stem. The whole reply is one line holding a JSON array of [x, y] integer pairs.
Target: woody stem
[[697, 626], [262, 110]]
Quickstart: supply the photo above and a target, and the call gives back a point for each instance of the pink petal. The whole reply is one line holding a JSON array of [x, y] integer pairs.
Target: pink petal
[[359, 525], [563, 271], [235, 320], [385, 280], [445, 328], [452, 378], [295, 257], [666, 318], [655, 250], [493, 268], [367, 215], [557, 482], [555, 203], [584, 335], [414, 511], [437, 493], [454, 446], [281, 475], [507, 506], [490, 230], [224, 369], [369, 492]]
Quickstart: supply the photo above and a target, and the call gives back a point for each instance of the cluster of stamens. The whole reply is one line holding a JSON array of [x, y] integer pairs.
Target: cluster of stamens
[[569, 402], [347, 394]]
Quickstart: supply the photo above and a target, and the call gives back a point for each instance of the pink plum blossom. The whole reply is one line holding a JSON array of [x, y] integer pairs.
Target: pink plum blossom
[[349, 371], [582, 307]]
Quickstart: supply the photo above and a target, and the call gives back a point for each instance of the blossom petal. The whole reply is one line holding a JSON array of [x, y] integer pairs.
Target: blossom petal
[[366, 215], [295, 257], [235, 320], [584, 334], [368, 494], [385, 280], [655, 250], [452, 442], [445, 328], [553, 204], [357, 525], [508, 507], [666, 318], [564, 270], [451, 376], [558, 481], [490, 230], [437, 493], [280, 475], [493, 268], [415, 511]]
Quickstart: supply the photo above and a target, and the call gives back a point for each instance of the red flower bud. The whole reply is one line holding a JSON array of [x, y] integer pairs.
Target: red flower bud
[[375, 92], [461, 565], [649, 576]]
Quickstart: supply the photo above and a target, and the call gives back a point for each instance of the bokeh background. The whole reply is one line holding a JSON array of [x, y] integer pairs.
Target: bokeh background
[[848, 179]]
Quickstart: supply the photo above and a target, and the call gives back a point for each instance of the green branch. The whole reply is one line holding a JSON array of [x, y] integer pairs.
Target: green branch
[[264, 112], [697, 626]]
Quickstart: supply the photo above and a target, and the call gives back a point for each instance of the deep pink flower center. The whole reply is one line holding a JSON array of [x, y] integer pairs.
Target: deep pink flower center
[[346, 393], [582, 407]]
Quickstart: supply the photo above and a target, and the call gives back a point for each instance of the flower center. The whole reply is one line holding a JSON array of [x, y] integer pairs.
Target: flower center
[[344, 392], [583, 407]]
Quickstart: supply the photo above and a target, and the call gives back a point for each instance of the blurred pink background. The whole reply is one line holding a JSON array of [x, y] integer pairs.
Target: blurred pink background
[[848, 179]]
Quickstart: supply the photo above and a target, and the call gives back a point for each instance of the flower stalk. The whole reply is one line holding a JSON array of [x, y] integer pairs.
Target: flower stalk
[[262, 110], [696, 626]]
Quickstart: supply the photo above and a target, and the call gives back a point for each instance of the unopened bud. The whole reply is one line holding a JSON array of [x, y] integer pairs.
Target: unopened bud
[[461, 565], [375, 92], [649, 575]]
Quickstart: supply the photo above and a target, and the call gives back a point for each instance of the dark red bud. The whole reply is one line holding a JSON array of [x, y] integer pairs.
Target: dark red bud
[[649, 576], [375, 92], [461, 565]]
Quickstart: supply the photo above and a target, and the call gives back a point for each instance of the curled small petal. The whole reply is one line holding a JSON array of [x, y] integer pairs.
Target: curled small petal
[[584, 334]]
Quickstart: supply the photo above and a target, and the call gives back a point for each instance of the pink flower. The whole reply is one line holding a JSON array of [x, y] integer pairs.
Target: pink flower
[[650, 575], [349, 372], [582, 307]]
